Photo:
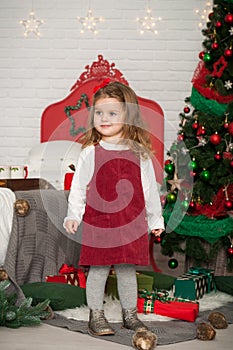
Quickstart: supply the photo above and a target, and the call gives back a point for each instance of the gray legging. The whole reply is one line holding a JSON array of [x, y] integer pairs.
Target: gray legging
[[126, 285]]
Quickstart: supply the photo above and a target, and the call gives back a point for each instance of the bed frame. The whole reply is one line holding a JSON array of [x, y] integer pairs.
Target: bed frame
[[67, 119]]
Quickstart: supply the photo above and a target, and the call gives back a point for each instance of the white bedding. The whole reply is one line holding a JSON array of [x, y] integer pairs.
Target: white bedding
[[7, 199]]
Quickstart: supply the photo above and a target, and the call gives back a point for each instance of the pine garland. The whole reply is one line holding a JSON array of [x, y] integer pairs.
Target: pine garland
[[13, 315]]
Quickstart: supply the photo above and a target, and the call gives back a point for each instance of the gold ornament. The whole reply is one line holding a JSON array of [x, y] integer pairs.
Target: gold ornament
[[175, 183]]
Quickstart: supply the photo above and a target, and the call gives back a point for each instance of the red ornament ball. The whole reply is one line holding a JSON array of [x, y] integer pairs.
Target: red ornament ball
[[192, 205], [214, 46], [218, 24], [230, 250], [230, 128], [210, 15], [231, 163], [158, 240], [228, 204], [225, 125], [201, 55], [215, 139], [228, 53], [229, 18], [168, 161], [180, 137], [195, 126], [186, 109], [218, 156]]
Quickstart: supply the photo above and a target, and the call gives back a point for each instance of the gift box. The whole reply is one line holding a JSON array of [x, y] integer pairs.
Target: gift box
[[144, 281], [190, 286], [69, 274], [209, 274], [161, 304]]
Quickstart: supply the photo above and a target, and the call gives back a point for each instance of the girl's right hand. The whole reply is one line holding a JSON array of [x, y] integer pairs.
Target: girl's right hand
[[71, 226]]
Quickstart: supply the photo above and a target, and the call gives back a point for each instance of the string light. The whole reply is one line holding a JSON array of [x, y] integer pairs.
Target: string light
[[148, 22], [32, 24], [204, 14], [89, 22]]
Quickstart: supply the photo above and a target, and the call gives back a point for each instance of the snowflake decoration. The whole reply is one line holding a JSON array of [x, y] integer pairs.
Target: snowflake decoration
[[89, 22], [148, 22], [228, 85], [32, 24], [231, 31]]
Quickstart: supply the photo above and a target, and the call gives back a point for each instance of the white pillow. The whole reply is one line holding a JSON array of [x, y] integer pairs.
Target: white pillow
[[51, 160]]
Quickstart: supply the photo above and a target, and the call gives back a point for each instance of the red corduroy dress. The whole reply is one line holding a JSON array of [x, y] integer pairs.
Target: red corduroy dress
[[115, 227]]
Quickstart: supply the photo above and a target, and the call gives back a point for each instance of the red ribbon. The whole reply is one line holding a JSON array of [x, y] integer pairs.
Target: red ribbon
[[104, 83], [68, 269]]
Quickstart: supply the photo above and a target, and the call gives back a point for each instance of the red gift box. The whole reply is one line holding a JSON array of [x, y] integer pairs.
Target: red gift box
[[178, 308], [70, 275]]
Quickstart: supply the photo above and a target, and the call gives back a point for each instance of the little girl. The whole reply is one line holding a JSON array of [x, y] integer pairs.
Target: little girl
[[114, 194]]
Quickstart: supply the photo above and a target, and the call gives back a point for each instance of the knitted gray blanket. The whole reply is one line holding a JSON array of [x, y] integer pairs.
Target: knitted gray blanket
[[38, 245]]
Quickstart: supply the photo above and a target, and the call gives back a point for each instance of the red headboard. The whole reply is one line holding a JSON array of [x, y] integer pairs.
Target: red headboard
[[66, 119]]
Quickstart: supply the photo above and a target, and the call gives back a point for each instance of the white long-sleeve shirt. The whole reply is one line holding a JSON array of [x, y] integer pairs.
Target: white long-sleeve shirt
[[84, 172]]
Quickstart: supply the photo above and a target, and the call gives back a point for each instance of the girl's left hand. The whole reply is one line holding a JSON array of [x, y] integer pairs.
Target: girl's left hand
[[157, 232]]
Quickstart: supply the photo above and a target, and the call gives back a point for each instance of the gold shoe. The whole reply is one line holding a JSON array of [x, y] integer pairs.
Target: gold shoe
[[98, 325]]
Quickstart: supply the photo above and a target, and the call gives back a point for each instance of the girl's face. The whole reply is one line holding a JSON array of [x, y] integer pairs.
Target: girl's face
[[109, 118]]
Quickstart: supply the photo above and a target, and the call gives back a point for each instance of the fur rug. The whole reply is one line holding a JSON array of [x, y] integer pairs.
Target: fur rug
[[112, 308]]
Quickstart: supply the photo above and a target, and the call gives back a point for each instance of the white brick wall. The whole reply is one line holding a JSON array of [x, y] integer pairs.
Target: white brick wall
[[36, 72]]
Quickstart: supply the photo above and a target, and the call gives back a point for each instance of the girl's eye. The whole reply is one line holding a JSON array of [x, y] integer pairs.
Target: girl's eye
[[97, 112], [113, 114]]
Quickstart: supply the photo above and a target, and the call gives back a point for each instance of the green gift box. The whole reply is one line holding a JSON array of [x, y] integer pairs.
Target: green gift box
[[144, 282], [209, 274], [190, 286]]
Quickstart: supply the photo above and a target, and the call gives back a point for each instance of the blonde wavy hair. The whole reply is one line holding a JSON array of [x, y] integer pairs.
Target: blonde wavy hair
[[134, 133]]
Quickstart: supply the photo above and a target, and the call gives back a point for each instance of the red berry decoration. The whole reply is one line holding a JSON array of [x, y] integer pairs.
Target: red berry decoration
[[229, 18], [218, 24], [228, 204], [228, 53], [214, 46], [215, 139], [186, 109], [230, 128], [230, 250]]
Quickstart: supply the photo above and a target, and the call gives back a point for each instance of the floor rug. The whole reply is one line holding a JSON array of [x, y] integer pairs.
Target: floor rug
[[168, 331]]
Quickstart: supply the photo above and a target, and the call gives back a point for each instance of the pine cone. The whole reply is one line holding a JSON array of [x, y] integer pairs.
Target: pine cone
[[3, 275], [22, 207], [144, 339], [205, 331], [218, 320]]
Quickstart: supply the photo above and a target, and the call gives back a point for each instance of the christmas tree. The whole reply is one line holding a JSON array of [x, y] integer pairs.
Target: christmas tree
[[198, 199]]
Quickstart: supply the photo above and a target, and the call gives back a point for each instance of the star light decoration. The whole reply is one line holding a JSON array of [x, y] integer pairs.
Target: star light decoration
[[204, 15], [148, 22], [89, 22], [32, 24]]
